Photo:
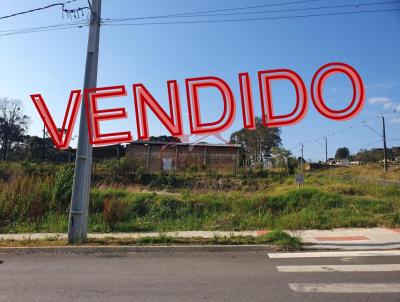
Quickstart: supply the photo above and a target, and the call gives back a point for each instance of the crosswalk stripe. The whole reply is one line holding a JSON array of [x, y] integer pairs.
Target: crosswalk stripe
[[345, 287], [339, 268], [335, 254]]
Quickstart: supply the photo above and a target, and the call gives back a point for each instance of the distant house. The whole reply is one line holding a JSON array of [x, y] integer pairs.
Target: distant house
[[102, 152], [176, 157], [315, 166], [113, 151], [339, 162]]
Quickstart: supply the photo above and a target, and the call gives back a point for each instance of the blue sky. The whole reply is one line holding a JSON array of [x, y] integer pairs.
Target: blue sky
[[52, 63]]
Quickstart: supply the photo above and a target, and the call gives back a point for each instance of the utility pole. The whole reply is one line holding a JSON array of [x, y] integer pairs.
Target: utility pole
[[385, 168], [383, 135], [326, 150], [78, 216], [302, 156]]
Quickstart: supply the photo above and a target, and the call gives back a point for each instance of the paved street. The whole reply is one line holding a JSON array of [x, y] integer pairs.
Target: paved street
[[200, 276]]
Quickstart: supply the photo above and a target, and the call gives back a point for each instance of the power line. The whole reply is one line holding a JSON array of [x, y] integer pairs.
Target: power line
[[223, 9], [372, 129], [109, 22], [364, 123], [36, 9], [89, 7], [335, 133], [62, 4], [255, 19], [361, 146], [330, 134], [44, 29], [194, 14]]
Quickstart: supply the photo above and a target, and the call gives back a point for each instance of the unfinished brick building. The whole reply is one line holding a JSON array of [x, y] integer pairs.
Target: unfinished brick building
[[178, 157]]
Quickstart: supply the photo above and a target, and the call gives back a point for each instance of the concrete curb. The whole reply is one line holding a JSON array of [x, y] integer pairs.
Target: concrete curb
[[335, 239], [137, 249]]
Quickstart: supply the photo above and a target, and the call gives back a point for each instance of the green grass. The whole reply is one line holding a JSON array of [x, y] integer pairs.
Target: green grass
[[38, 202], [307, 208], [276, 239]]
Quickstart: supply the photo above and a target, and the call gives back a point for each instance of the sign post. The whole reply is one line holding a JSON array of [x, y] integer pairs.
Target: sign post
[[299, 178]]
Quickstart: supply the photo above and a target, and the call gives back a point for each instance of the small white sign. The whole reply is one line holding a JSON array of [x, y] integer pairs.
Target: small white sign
[[167, 164], [299, 178]]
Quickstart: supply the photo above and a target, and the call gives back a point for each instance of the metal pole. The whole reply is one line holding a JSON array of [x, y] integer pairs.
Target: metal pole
[[176, 157], [237, 161], [302, 156], [148, 158], [326, 149], [78, 216], [385, 168]]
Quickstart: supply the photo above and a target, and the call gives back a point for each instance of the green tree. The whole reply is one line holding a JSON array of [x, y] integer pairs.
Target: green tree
[[283, 159], [13, 124], [256, 144], [342, 153]]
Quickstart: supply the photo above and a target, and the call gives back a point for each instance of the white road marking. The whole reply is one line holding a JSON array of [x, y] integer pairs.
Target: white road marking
[[339, 268], [345, 287], [335, 254]]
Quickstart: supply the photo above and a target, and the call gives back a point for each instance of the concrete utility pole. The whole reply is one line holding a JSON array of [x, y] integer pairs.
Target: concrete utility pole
[[326, 149], [78, 216], [385, 168]]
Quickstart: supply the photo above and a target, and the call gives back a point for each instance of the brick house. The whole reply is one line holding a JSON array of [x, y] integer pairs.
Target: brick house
[[177, 157]]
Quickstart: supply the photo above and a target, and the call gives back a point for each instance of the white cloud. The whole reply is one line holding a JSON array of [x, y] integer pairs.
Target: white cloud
[[387, 105], [379, 100], [385, 102]]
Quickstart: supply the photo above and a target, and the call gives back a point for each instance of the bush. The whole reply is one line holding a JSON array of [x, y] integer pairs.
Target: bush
[[28, 167], [296, 200], [165, 181], [122, 171], [115, 211], [4, 173], [166, 207], [281, 239], [140, 204], [62, 189], [98, 196], [345, 189], [24, 199]]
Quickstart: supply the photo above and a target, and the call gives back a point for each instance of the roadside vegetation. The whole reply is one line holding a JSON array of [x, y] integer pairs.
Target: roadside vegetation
[[35, 198], [277, 240]]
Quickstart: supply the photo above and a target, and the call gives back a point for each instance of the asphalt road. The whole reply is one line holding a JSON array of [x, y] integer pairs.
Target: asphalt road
[[205, 276]]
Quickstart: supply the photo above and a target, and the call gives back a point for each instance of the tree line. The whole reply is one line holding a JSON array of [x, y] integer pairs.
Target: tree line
[[258, 147], [16, 144]]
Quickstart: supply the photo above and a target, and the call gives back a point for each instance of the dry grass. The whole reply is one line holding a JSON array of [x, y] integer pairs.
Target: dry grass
[[38, 202]]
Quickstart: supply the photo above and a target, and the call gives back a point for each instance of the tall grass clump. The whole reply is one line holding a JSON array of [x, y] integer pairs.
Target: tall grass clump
[[62, 188], [24, 199], [115, 211]]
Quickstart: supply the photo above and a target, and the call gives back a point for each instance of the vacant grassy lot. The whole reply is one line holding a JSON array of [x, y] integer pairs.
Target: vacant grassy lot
[[35, 198]]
